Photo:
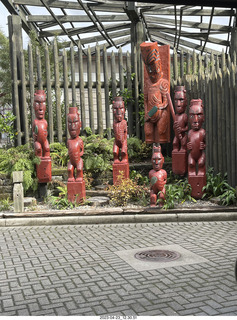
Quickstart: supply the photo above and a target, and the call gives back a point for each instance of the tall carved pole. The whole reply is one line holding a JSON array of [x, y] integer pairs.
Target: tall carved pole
[[120, 150], [156, 86], [196, 146], [76, 185], [41, 144]]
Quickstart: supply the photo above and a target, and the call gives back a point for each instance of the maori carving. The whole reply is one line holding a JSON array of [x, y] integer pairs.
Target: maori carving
[[179, 153], [41, 144], [40, 125], [120, 131], [120, 152], [158, 177], [196, 146], [75, 146], [156, 86], [76, 185]]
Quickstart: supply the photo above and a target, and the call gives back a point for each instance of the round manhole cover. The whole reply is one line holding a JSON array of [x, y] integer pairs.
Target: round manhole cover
[[157, 255]]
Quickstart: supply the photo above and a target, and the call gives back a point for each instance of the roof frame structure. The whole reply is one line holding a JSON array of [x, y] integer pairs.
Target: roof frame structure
[[205, 28]]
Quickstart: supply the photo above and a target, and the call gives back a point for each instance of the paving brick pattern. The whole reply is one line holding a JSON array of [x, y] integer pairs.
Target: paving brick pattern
[[73, 270]]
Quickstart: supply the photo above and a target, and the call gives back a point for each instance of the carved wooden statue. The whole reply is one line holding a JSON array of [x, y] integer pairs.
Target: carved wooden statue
[[156, 86], [76, 184], [120, 152], [196, 146], [41, 144], [158, 178], [179, 153]]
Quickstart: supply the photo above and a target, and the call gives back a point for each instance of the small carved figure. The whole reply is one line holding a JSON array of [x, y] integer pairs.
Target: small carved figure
[[158, 177], [157, 117], [75, 146], [181, 119], [120, 131], [40, 125], [196, 139]]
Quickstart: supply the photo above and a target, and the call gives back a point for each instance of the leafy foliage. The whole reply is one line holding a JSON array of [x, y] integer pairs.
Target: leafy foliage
[[59, 154], [138, 150], [61, 202], [5, 204], [5, 71], [128, 190], [7, 125], [139, 178], [177, 193], [21, 158], [217, 186]]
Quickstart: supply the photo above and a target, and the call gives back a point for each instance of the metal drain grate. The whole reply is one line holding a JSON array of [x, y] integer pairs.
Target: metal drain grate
[[157, 255]]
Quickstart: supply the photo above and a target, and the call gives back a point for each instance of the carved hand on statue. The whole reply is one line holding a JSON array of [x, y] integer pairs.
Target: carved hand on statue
[[147, 117], [202, 146], [177, 127], [189, 146]]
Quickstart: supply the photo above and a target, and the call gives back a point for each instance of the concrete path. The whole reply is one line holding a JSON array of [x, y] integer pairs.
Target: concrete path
[[78, 270]]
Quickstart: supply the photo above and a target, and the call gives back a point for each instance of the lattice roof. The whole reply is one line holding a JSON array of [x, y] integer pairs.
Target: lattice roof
[[181, 25]]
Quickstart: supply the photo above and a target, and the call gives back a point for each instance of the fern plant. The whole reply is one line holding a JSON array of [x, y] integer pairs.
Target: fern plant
[[217, 186], [21, 158]]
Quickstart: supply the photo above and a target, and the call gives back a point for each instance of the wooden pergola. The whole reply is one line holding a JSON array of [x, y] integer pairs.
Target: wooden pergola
[[182, 25]]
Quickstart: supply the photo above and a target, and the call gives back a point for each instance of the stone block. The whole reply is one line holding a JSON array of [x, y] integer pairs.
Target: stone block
[[18, 197], [17, 176], [98, 201]]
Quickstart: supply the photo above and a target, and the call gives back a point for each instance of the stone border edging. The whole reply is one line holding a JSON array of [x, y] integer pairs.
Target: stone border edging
[[116, 219]]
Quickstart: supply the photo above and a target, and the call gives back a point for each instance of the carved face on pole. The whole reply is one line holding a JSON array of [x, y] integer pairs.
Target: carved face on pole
[[196, 114], [151, 58], [74, 124], [39, 104], [180, 100], [157, 159], [118, 109]]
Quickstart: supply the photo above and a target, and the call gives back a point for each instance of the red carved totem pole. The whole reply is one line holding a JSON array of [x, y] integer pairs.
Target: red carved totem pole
[[156, 85], [120, 167], [76, 185], [41, 144], [179, 153], [196, 146], [158, 177]]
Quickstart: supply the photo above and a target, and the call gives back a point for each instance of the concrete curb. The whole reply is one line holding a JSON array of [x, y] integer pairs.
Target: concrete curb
[[117, 219]]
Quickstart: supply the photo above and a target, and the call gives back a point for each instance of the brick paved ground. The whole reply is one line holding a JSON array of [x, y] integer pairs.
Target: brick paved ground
[[73, 270]]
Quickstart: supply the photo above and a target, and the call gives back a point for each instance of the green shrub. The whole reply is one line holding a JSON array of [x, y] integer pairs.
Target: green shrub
[[5, 204], [177, 193], [21, 158], [217, 186], [128, 190]]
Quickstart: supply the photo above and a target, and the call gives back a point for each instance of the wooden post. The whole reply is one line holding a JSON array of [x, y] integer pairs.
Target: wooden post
[[113, 76], [49, 95], [66, 96], [106, 88], [57, 93], [74, 103], [23, 100], [136, 93], [121, 75], [16, 46], [90, 93], [81, 83], [98, 93], [31, 80], [39, 69], [182, 64], [129, 86]]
